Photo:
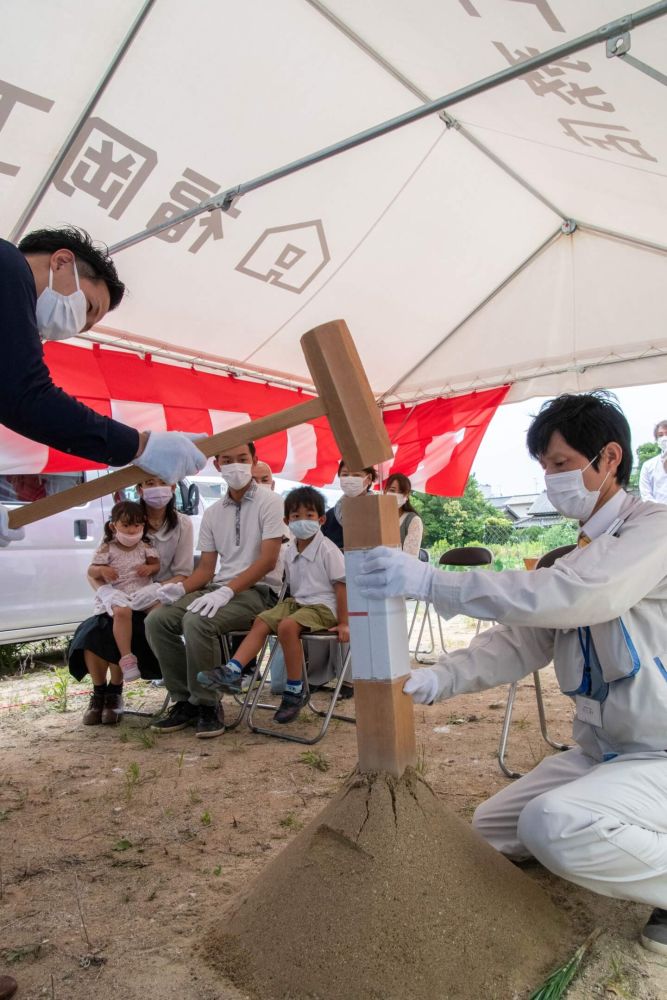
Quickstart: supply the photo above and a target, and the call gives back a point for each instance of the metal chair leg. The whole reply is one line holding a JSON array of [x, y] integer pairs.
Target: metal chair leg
[[280, 733], [426, 620], [543, 717], [504, 733], [151, 716]]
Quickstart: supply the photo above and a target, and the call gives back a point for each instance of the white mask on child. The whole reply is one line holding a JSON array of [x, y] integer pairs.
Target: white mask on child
[[129, 540], [304, 529]]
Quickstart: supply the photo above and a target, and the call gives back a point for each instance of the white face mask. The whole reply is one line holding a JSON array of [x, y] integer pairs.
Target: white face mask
[[157, 496], [352, 486], [568, 493], [662, 444], [304, 529], [264, 486], [236, 474], [129, 540], [61, 316], [401, 498]]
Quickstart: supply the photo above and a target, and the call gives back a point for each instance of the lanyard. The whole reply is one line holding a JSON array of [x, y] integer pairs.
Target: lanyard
[[585, 686]]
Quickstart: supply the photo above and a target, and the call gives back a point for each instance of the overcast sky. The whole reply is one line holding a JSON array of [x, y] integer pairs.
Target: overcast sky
[[503, 462]]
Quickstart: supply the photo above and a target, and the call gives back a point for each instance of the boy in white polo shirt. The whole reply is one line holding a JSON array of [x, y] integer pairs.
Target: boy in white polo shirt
[[244, 531], [315, 573]]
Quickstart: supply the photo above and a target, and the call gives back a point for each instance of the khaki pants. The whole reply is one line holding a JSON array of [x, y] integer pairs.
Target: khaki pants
[[180, 661]]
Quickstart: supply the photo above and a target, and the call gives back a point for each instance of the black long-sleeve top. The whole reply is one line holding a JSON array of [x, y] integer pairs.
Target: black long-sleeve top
[[30, 403]]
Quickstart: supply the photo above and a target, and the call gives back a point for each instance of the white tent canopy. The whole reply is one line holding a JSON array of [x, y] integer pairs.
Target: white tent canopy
[[519, 237]]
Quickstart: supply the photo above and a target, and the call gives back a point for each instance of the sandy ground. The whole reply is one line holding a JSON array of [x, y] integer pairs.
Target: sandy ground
[[117, 848]]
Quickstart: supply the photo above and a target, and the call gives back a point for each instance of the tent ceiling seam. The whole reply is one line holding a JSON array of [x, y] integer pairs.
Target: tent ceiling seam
[[36, 199], [511, 377], [414, 89], [488, 298]]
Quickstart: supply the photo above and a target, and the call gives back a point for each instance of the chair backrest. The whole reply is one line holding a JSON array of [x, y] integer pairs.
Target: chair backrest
[[468, 555], [549, 558]]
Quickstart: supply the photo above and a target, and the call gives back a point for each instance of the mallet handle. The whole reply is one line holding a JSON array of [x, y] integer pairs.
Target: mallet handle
[[118, 480]]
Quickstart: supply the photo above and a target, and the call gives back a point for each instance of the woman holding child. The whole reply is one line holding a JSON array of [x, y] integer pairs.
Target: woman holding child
[[100, 644]]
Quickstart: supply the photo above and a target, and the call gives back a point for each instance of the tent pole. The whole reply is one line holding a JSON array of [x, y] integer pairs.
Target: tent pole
[[225, 199], [34, 203], [587, 227], [412, 87]]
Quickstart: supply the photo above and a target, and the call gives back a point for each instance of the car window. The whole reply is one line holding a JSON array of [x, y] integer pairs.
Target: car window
[[26, 487]]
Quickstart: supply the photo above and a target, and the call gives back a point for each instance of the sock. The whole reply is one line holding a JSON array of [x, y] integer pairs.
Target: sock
[[115, 688], [100, 688], [235, 666], [294, 687]]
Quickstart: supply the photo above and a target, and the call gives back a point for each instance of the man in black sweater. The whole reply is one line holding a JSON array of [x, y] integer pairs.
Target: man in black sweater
[[54, 286]]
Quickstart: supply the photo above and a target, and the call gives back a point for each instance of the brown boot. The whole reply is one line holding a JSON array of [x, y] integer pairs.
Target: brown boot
[[112, 713], [8, 987], [92, 716]]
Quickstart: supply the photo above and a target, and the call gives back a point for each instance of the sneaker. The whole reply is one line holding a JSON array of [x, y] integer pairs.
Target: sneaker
[[112, 713], [654, 935], [290, 706], [221, 679], [128, 664], [181, 715], [93, 714], [211, 721]]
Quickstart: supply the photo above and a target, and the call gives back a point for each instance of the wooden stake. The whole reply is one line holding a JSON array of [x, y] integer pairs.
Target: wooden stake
[[379, 642]]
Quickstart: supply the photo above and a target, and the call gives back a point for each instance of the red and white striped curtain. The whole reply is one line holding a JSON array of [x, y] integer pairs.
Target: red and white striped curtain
[[434, 442]]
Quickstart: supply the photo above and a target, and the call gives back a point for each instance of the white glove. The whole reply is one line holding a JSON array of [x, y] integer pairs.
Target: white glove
[[208, 604], [112, 598], [8, 534], [167, 593], [422, 684], [170, 455], [389, 572], [146, 597]]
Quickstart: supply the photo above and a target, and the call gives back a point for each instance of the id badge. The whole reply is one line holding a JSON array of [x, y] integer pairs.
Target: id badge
[[588, 710]]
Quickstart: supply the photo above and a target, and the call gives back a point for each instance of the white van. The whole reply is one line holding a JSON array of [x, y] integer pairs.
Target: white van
[[43, 586]]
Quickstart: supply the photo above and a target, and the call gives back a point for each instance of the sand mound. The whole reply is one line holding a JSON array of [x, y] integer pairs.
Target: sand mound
[[386, 894]]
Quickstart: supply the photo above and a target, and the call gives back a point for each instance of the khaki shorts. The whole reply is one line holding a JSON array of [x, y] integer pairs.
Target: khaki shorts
[[314, 617]]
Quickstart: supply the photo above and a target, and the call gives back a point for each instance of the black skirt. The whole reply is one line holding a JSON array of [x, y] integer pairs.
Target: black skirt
[[96, 634]]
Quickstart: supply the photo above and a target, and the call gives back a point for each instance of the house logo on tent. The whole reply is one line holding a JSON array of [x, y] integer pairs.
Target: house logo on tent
[[289, 257]]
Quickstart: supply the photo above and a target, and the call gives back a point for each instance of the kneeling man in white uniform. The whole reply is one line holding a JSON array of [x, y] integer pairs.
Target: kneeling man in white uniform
[[595, 815]]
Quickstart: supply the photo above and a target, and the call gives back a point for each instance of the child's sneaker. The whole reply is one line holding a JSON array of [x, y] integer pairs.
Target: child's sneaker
[[290, 706], [128, 664], [222, 679]]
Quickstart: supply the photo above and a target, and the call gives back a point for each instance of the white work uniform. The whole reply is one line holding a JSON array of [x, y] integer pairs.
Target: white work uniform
[[596, 815], [653, 480]]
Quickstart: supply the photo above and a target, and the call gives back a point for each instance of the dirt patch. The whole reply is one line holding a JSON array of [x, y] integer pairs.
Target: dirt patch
[[163, 834], [399, 898]]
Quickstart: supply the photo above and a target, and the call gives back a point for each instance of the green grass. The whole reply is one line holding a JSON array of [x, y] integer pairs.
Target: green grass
[[314, 759]]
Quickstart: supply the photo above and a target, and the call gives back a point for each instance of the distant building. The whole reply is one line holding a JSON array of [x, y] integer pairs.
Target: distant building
[[527, 510]]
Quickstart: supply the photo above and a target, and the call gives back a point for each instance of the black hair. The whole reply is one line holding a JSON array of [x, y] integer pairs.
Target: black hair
[[128, 512], [251, 448], [660, 423], [588, 422], [93, 260], [170, 511], [370, 471], [405, 486], [304, 496]]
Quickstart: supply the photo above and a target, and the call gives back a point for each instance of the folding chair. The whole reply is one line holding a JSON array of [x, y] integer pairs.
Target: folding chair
[[342, 671], [548, 559], [468, 555], [152, 716]]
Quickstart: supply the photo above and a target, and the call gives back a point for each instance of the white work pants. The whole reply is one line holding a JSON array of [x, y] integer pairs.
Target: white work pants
[[602, 826]]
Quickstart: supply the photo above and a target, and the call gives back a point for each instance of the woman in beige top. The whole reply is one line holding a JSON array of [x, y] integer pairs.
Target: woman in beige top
[[410, 523], [93, 649]]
